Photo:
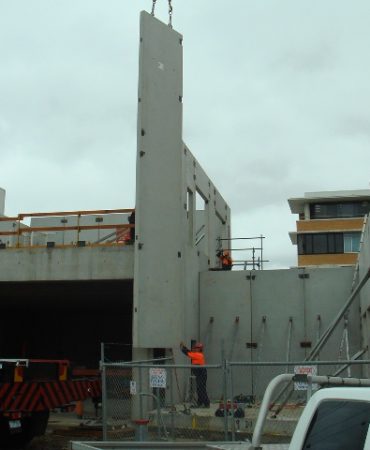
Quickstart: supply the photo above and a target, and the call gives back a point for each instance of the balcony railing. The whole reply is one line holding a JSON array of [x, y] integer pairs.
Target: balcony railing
[[67, 228]]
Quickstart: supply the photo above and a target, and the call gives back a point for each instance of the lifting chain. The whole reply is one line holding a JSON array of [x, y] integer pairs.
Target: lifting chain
[[170, 11], [153, 7]]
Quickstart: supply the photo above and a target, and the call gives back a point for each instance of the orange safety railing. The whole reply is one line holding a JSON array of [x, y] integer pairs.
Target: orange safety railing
[[119, 235]]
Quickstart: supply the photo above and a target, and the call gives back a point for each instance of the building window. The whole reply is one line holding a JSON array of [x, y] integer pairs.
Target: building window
[[351, 242], [339, 210], [327, 243]]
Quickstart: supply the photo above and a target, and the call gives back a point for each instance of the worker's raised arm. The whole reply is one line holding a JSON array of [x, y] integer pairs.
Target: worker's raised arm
[[184, 349]]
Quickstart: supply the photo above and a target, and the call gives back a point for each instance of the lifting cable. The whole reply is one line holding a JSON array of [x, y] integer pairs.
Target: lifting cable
[[170, 11]]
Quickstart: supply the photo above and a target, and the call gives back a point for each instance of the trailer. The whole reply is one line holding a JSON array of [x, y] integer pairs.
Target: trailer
[[31, 388]]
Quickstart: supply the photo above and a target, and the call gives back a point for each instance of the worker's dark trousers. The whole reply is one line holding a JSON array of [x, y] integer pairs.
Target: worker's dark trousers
[[201, 381]]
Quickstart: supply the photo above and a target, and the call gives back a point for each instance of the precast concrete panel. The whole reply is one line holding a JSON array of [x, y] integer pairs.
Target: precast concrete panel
[[2, 201], [72, 236], [272, 315], [216, 214], [277, 317], [226, 324], [277, 314], [160, 213], [325, 292], [74, 263], [197, 179], [363, 268]]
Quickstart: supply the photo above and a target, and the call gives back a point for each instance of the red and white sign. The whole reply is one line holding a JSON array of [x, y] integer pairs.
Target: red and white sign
[[304, 370]]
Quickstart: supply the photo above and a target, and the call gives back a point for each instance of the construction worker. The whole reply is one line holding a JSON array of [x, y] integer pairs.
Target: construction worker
[[225, 259], [197, 360]]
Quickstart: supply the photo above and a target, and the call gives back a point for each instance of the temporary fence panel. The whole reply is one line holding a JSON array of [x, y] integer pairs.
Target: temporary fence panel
[[246, 403], [152, 402]]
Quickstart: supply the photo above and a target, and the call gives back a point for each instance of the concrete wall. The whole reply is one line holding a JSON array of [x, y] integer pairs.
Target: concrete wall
[[363, 267], [73, 263], [167, 259], [250, 315], [2, 201], [71, 236]]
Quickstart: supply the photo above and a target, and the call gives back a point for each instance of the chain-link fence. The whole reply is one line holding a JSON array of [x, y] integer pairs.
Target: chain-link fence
[[157, 400], [153, 401]]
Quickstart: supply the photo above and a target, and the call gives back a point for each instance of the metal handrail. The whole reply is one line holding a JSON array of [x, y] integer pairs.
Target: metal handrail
[[21, 228], [286, 378]]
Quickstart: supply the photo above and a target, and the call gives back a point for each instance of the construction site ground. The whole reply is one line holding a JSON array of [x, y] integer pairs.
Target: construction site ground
[[66, 427], [195, 424]]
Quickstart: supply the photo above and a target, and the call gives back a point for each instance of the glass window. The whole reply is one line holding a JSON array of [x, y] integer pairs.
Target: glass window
[[338, 425], [337, 210], [331, 243], [309, 244], [320, 243], [300, 244], [339, 245], [351, 242], [304, 242]]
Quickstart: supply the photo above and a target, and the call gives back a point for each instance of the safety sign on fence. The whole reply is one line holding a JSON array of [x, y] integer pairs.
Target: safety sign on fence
[[304, 370], [157, 377], [133, 390]]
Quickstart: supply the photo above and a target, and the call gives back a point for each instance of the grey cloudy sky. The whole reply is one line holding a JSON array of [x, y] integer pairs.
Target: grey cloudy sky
[[276, 103]]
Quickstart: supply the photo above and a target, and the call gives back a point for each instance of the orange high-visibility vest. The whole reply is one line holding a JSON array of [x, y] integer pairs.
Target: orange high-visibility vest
[[226, 261], [197, 358]]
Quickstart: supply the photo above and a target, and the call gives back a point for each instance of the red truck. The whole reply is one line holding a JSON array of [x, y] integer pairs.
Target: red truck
[[31, 388]]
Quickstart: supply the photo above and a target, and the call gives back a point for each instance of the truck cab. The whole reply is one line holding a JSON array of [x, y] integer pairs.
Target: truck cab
[[335, 418]]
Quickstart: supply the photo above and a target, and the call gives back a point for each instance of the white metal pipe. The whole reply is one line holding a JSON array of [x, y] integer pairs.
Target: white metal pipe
[[275, 382]]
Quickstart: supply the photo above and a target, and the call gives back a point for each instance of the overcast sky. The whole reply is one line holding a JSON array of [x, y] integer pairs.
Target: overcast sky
[[276, 103]]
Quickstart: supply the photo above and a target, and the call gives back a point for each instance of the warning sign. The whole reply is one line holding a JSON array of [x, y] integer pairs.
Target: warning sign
[[304, 370], [157, 377], [133, 387]]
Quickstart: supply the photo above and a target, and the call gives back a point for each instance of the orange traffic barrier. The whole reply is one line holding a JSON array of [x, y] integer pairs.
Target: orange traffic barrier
[[79, 409]]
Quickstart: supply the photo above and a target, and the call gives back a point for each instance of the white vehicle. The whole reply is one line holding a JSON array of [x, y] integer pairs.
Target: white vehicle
[[335, 418]]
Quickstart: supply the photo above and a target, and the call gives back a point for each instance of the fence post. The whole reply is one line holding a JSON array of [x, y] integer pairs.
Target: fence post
[[104, 393], [230, 378], [172, 405], [224, 390], [158, 402], [140, 390]]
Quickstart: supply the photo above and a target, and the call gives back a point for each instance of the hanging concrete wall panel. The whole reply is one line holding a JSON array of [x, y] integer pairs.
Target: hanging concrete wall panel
[[168, 256], [160, 214]]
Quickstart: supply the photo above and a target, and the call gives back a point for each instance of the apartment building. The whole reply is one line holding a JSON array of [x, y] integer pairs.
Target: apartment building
[[329, 226]]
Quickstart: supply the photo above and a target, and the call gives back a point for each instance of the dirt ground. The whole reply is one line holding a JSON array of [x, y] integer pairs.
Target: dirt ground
[[64, 428], [56, 442]]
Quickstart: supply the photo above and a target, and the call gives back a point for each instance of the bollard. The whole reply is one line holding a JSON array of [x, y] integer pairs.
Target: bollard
[[141, 429]]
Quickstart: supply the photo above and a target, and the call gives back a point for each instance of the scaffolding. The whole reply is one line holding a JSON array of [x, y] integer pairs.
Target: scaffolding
[[253, 254]]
